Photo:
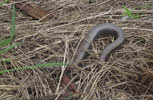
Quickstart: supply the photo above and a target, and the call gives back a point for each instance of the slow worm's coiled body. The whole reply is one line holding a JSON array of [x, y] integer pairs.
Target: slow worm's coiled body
[[98, 31]]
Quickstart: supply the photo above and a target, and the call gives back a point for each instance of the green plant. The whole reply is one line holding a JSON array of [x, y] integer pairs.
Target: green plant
[[3, 2], [140, 6], [34, 66], [70, 97], [129, 13], [9, 41]]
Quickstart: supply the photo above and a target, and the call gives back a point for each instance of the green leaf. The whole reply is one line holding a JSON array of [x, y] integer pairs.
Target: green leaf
[[8, 41], [5, 42], [13, 24], [128, 12], [11, 47], [35, 66], [140, 6], [70, 97], [3, 2], [5, 60]]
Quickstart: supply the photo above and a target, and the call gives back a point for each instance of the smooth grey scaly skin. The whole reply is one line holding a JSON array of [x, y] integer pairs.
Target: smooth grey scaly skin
[[97, 31]]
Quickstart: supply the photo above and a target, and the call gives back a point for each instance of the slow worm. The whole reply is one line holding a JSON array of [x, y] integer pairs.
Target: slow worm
[[95, 32]]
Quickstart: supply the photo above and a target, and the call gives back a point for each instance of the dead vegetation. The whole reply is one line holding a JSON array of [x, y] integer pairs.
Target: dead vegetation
[[128, 74]]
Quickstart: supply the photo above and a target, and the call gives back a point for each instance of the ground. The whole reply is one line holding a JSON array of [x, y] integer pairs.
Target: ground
[[127, 75]]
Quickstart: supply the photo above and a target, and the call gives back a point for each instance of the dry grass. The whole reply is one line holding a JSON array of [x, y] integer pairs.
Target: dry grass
[[128, 74]]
